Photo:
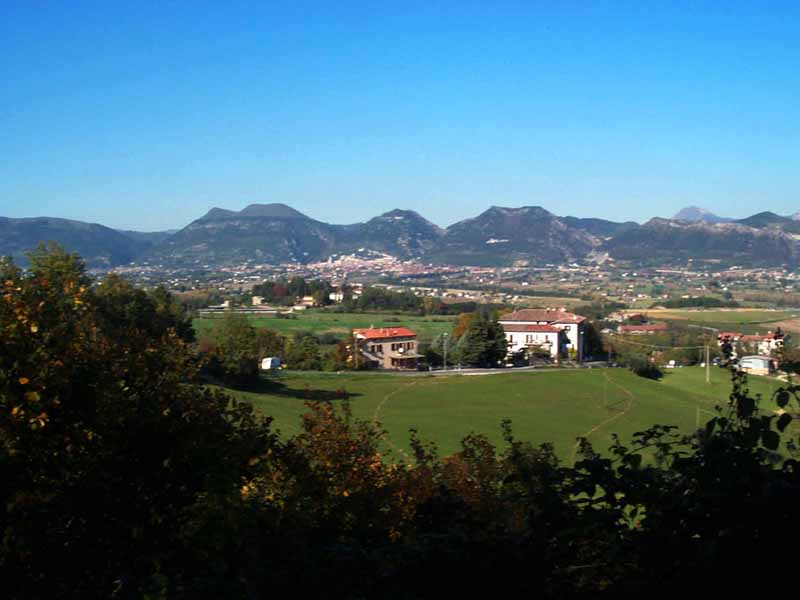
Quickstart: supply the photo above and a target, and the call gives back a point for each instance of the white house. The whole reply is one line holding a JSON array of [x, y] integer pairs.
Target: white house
[[560, 330], [757, 365], [765, 345], [524, 337]]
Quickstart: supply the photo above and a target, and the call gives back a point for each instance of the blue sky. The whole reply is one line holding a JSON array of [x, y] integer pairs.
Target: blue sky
[[145, 116]]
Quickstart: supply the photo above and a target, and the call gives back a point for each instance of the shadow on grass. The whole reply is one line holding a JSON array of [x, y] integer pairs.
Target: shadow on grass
[[278, 388]]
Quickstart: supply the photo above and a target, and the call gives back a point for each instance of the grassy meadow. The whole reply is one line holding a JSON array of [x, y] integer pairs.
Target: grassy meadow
[[327, 321], [555, 406], [746, 320], [718, 315]]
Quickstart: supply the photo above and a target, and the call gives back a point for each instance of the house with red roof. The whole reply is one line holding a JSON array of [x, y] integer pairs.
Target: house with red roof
[[387, 347], [766, 345], [555, 330]]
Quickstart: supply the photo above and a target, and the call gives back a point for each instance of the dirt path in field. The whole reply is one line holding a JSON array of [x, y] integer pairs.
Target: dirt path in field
[[628, 405], [377, 413]]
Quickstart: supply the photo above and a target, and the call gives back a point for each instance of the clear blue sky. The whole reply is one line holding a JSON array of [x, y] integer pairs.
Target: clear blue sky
[[144, 116]]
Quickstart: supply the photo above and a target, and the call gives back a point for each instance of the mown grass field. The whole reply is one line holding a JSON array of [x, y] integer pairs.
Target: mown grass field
[[745, 320], [326, 321], [731, 315], [554, 406]]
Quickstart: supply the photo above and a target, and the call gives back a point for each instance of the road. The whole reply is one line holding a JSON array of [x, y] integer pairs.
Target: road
[[456, 371]]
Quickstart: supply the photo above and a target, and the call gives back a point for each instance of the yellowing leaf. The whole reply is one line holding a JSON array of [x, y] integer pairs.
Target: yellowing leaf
[[24, 381]]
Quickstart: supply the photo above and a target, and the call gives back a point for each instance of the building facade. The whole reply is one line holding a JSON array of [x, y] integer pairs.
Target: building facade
[[559, 331], [765, 345], [757, 365], [387, 347]]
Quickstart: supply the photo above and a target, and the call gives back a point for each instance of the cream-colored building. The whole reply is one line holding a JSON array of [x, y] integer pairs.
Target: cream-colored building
[[387, 347]]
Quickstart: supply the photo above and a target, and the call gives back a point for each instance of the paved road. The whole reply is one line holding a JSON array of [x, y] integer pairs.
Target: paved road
[[457, 371]]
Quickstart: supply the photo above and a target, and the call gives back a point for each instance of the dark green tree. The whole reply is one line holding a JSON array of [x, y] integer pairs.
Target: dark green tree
[[483, 344], [304, 354]]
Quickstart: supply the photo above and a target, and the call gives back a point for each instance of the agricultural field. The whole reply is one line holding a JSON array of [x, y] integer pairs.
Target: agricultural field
[[555, 405], [551, 301], [326, 321], [719, 315], [746, 320]]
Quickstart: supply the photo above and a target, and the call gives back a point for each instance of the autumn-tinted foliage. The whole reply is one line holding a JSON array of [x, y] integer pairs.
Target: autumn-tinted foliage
[[123, 477], [104, 443]]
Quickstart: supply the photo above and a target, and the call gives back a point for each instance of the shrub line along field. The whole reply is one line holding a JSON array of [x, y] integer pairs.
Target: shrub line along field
[[546, 406]]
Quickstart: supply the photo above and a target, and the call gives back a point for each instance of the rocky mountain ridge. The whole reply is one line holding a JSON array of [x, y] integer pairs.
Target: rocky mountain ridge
[[500, 236]]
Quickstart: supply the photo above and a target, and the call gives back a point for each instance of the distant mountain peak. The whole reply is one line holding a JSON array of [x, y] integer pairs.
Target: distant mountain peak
[[410, 216], [277, 210], [519, 210], [218, 213], [695, 213]]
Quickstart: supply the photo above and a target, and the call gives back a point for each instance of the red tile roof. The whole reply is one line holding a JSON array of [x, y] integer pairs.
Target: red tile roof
[[530, 328], [384, 333], [755, 338], [729, 334]]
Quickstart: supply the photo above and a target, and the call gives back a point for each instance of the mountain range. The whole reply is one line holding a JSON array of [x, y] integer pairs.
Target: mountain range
[[500, 236]]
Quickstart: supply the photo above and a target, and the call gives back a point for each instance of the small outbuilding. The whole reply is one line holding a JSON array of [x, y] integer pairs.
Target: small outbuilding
[[757, 365], [271, 363]]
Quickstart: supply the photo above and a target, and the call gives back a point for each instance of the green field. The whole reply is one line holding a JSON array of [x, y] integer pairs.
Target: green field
[[726, 316], [326, 321], [554, 406]]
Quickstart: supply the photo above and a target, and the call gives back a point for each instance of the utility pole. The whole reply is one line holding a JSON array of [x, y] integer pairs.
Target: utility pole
[[355, 351], [445, 351], [708, 366]]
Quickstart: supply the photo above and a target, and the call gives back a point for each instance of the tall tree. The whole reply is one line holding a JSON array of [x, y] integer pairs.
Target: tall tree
[[483, 344]]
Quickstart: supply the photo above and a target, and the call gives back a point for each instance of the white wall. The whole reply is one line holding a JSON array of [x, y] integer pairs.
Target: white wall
[[519, 340]]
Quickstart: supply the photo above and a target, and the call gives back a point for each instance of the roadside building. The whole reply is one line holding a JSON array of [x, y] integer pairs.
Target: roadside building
[[757, 365], [521, 337], [387, 347], [766, 344], [570, 327]]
